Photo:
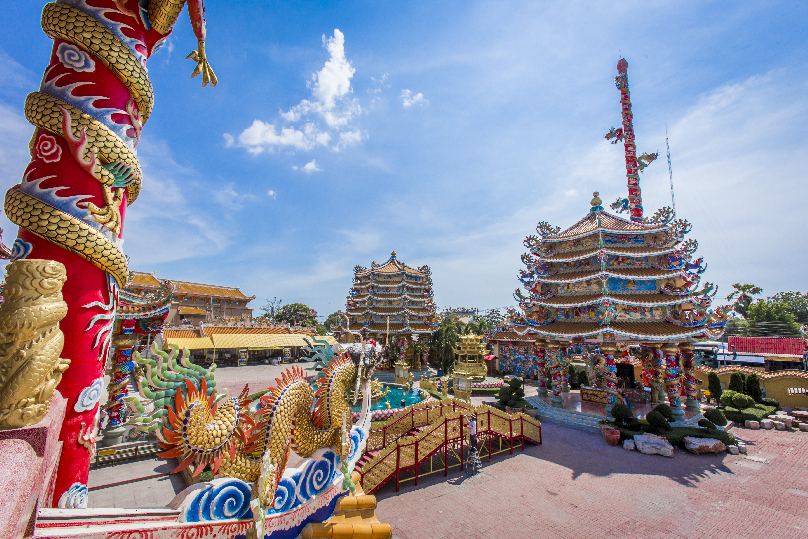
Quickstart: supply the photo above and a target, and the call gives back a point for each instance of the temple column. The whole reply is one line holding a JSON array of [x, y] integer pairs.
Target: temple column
[[565, 367], [690, 380], [608, 349], [540, 350], [555, 365], [117, 389], [673, 384], [657, 382]]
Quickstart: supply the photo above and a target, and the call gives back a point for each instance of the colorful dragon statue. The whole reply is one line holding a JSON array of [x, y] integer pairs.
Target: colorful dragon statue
[[88, 115], [239, 437]]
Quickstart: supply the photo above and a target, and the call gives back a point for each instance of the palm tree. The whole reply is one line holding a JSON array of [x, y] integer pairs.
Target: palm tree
[[742, 294]]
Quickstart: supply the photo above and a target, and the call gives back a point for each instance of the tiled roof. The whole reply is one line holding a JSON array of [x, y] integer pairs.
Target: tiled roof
[[651, 331], [191, 343], [621, 273], [634, 251], [511, 336], [630, 299], [393, 265], [394, 327], [147, 280], [180, 333], [608, 222], [184, 288], [218, 330]]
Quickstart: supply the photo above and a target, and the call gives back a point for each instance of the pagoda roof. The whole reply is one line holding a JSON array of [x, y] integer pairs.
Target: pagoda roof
[[391, 310], [639, 274], [643, 331], [600, 221], [652, 299], [395, 327], [633, 251], [392, 266], [421, 297]]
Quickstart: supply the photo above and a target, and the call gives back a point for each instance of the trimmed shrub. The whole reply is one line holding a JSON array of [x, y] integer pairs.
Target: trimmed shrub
[[737, 382], [511, 394], [714, 385], [622, 414], [753, 387], [573, 378], [771, 402], [755, 413], [727, 396], [677, 434], [716, 417], [707, 424], [741, 401], [634, 424], [583, 378], [657, 421], [665, 410]]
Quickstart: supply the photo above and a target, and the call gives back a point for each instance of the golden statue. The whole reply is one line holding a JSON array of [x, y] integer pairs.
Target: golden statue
[[30, 340], [470, 352]]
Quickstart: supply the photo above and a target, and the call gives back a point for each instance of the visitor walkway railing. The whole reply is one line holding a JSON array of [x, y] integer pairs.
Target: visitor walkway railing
[[422, 431]]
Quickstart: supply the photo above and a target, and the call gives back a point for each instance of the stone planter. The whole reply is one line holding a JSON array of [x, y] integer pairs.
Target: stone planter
[[611, 435]]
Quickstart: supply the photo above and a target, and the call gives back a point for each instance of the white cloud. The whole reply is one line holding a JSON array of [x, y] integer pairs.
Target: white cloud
[[331, 103], [571, 193], [272, 194], [379, 84], [408, 99], [230, 199], [261, 137], [309, 167]]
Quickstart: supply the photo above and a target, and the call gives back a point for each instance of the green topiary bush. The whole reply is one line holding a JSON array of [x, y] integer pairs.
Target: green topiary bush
[[622, 414], [716, 417], [665, 410], [754, 413], [741, 401], [573, 378], [753, 387], [634, 424], [511, 394], [714, 385], [770, 402], [657, 421], [737, 382], [707, 424], [727, 396], [583, 378]]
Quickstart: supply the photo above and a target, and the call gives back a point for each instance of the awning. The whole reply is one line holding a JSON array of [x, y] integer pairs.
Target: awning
[[489, 358], [257, 340], [191, 310], [191, 343]]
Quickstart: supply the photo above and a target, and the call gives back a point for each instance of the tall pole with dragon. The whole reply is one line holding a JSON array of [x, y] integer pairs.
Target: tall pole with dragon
[[634, 164], [71, 203]]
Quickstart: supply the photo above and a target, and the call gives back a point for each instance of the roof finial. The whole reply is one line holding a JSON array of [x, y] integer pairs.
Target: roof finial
[[393, 254], [596, 202]]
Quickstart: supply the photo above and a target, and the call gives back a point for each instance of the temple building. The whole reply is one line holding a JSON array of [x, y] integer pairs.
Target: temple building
[[390, 297], [194, 302], [617, 284]]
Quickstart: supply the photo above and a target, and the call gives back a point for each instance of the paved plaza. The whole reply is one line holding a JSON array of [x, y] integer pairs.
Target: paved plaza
[[574, 485]]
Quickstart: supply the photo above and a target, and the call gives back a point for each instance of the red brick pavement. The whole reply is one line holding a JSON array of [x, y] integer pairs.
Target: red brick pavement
[[576, 486]]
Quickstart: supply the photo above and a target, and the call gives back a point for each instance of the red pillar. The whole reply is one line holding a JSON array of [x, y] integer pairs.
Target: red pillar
[[71, 203]]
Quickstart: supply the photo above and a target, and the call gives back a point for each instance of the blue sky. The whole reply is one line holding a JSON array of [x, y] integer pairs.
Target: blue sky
[[340, 131]]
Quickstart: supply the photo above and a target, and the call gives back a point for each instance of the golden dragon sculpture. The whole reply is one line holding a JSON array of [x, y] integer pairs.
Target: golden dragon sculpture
[[30, 340]]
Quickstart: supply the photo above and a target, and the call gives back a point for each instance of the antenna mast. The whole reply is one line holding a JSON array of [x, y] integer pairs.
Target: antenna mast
[[670, 170]]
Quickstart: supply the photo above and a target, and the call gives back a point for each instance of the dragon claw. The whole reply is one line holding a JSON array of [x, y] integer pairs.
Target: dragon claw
[[202, 66]]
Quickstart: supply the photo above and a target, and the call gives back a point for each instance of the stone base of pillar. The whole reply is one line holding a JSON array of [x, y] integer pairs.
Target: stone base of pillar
[[678, 413], [543, 391], [565, 388], [113, 435], [558, 402], [609, 409], [692, 404]]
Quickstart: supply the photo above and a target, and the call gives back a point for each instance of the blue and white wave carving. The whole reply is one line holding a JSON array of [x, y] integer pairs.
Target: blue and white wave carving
[[300, 486], [223, 499], [359, 440], [74, 498], [20, 249]]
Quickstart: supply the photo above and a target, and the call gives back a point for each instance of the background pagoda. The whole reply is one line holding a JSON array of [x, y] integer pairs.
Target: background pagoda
[[390, 296], [612, 281]]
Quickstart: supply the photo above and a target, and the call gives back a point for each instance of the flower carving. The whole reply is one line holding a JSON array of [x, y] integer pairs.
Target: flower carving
[[74, 58], [47, 149]]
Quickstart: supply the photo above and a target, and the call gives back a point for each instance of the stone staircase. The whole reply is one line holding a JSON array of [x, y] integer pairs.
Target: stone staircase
[[568, 418]]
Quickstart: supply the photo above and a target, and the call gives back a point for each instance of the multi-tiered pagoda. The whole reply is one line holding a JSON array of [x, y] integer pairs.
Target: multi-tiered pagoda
[[391, 297], [618, 283]]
